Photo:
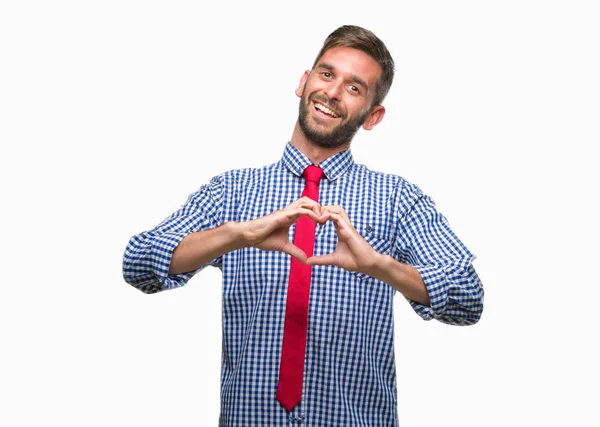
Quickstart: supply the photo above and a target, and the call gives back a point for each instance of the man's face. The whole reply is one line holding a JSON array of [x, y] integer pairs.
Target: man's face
[[336, 96]]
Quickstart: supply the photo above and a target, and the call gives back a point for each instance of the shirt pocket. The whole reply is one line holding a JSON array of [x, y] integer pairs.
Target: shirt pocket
[[378, 241]]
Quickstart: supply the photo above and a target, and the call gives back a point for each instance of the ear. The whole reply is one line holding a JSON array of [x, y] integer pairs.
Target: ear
[[374, 117], [300, 89]]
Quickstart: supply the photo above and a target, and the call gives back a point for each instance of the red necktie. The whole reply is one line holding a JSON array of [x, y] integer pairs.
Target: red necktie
[[291, 369]]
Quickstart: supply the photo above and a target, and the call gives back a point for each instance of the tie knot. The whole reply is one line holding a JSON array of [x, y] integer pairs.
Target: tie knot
[[313, 173]]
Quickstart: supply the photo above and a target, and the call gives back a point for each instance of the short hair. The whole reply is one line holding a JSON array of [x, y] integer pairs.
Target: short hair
[[364, 40]]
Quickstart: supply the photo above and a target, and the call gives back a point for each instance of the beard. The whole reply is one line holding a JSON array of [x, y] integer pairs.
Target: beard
[[338, 136]]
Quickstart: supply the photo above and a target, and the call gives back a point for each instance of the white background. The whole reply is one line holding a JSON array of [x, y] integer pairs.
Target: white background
[[113, 112]]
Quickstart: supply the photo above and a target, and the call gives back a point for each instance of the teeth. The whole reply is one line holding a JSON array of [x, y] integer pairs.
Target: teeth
[[326, 110]]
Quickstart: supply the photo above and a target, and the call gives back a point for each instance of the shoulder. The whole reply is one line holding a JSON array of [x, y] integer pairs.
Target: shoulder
[[401, 184], [404, 193], [243, 177]]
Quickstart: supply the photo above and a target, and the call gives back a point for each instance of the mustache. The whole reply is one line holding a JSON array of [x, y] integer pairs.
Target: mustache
[[331, 104]]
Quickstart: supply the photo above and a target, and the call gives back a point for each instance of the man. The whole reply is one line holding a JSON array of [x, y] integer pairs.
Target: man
[[315, 349]]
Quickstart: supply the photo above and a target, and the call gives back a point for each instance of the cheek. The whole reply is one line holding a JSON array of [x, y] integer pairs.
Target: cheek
[[355, 109], [310, 85]]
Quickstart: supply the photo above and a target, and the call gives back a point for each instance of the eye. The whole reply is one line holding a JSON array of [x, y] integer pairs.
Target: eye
[[354, 89], [327, 74]]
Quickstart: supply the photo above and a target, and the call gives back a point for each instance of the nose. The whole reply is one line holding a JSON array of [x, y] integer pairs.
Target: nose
[[334, 90]]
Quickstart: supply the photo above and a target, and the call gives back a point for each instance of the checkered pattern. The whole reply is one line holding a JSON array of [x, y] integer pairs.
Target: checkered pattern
[[350, 375]]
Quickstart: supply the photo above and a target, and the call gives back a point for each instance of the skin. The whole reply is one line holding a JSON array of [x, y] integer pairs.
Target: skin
[[343, 80]]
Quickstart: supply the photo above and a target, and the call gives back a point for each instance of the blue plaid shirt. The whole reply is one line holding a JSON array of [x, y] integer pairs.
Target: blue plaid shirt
[[350, 374]]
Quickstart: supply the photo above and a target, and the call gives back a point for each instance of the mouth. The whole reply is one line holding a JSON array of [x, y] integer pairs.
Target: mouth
[[325, 111]]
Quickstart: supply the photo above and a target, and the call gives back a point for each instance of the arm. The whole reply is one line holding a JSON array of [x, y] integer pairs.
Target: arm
[[426, 241], [354, 253], [433, 272], [194, 237], [269, 233], [199, 248], [147, 257], [402, 277]]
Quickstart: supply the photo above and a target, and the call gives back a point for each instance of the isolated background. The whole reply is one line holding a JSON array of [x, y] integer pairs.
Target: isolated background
[[113, 112]]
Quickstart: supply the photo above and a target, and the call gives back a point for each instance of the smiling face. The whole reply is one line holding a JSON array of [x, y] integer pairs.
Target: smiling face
[[336, 97]]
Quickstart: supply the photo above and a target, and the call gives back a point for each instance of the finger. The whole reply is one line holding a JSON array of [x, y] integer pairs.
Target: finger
[[293, 250], [305, 202], [289, 215], [327, 210], [326, 216], [343, 228], [321, 260], [338, 221], [338, 210], [298, 212], [317, 209], [344, 214]]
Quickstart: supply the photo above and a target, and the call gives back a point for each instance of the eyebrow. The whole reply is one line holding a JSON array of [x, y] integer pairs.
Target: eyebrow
[[353, 77]]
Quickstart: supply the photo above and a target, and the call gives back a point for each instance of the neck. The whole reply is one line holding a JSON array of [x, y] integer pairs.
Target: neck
[[314, 152]]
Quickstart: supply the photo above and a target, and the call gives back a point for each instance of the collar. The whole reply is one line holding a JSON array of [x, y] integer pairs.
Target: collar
[[333, 167]]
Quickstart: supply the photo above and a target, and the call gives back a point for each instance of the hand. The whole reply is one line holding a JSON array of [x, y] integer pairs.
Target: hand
[[270, 232], [352, 252]]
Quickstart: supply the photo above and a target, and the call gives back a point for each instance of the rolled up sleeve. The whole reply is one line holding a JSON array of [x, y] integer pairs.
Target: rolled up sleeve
[[147, 257], [426, 242]]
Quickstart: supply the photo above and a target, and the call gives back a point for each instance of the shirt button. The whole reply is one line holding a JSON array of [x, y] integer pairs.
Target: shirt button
[[299, 419], [368, 229]]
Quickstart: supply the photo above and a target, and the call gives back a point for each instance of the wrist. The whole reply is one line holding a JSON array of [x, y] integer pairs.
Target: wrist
[[376, 264], [235, 234]]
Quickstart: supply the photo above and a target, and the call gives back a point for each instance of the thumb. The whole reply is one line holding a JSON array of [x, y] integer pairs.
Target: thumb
[[321, 260], [293, 250]]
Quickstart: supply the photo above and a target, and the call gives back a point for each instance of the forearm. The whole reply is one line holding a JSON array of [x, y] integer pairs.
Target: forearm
[[402, 277], [200, 247]]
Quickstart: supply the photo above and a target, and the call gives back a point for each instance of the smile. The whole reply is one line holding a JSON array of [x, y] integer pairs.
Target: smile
[[325, 110]]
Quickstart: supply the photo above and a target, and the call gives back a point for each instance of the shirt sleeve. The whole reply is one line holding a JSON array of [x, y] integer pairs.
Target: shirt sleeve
[[426, 242], [147, 256]]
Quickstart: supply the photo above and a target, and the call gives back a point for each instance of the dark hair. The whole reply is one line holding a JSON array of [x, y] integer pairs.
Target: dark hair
[[363, 39]]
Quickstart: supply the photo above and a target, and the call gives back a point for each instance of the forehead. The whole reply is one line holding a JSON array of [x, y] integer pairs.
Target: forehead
[[353, 62]]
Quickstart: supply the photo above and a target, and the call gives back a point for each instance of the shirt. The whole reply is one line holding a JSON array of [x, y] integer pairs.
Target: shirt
[[350, 374]]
